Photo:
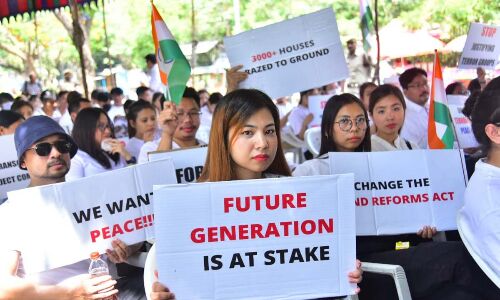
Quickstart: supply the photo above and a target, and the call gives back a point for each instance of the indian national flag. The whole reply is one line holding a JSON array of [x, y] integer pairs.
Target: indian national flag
[[366, 22], [440, 126], [173, 65]]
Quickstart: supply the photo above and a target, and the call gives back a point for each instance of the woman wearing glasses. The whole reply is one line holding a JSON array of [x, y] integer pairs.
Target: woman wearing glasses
[[99, 151], [179, 124], [387, 108]]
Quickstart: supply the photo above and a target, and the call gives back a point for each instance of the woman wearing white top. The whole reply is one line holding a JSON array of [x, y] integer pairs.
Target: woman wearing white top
[[479, 219], [387, 109], [92, 132], [142, 126]]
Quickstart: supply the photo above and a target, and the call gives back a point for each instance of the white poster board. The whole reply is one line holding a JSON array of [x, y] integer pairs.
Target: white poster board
[[295, 239], [463, 128], [60, 224], [188, 163], [402, 191], [290, 56], [316, 106], [482, 48], [11, 176]]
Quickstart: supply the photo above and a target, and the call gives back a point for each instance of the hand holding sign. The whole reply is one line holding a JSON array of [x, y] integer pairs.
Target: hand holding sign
[[234, 76], [83, 286]]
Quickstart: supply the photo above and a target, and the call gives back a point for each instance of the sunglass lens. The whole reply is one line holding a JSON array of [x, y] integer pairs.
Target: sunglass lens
[[62, 146], [43, 149]]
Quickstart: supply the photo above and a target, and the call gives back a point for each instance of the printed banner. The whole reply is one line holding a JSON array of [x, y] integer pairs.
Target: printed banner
[[482, 48], [290, 56], [402, 191], [60, 224], [316, 106], [11, 177], [463, 128], [279, 238], [188, 163]]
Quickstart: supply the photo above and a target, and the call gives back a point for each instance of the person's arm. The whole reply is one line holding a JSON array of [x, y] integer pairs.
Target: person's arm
[[168, 123], [305, 125], [121, 251], [77, 287]]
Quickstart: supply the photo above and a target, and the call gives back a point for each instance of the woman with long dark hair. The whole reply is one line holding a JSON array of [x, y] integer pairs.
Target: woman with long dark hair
[[98, 150], [142, 126]]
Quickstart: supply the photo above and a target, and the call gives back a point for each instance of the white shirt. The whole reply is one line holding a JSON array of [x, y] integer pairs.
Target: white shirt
[[296, 118], [116, 111], [154, 79], [316, 166], [206, 117], [153, 146], [379, 144], [416, 123], [66, 122], [284, 108], [481, 214], [56, 115], [83, 165]]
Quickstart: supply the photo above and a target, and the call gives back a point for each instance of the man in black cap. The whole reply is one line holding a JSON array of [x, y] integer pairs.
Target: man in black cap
[[45, 150]]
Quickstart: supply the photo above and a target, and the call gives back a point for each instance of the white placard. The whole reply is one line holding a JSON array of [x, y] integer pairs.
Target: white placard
[[463, 128], [11, 176], [316, 106], [188, 163], [60, 224], [214, 244], [402, 191], [456, 99], [290, 56], [482, 48]]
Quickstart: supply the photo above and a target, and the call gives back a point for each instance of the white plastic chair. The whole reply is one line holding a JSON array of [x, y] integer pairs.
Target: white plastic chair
[[291, 143], [203, 134], [465, 232], [312, 137], [149, 269]]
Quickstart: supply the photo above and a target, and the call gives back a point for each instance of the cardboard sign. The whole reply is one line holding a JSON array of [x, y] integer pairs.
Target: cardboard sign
[[279, 238], [482, 47], [11, 177], [316, 106], [188, 163], [60, 224], [463, 128], [402, 191], [290, 56]]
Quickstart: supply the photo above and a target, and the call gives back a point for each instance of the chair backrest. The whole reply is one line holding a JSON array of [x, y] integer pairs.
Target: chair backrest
[[465, 232], [290, 138], [149, 271], [312, 137]]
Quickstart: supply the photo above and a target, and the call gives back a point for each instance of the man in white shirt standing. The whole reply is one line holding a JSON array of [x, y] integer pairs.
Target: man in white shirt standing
[[416, 90], [153, 73]]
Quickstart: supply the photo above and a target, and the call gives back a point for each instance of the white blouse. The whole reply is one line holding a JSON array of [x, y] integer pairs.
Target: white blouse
[[83, 165], [379, 144]]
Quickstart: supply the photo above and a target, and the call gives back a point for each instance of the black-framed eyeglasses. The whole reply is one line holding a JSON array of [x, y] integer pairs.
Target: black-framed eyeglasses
[[44, 149], [103, 127], [418, 85], [191, 114], [345, 124]]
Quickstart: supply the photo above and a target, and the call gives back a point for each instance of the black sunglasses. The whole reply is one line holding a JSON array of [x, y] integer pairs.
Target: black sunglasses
[[44, 149]]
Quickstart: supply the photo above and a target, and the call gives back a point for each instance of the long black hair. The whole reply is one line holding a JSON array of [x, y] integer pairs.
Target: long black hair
[[486, 111], [330, 112], [84, 135]]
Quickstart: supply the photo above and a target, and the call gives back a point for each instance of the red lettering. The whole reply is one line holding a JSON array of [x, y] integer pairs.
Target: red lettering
[[197, 235], [94, 234], [138, 223], [256, 231], [212, 234], [106, 233], [301, 200], [126, 226], [257, 200], [117, 230], [228, 202], [285, 225], [243, 232], [288, 201], [375, 201], [272, 230]]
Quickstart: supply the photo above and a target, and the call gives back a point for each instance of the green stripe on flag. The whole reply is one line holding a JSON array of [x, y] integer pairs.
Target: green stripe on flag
[[442, 115], [181, 70], [366, 27]]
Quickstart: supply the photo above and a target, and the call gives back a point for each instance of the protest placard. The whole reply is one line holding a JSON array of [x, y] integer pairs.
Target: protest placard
[[482, 47], [463, 127], [290, 56], [188, 163], [316, 106], [402, 191], [279, 238], [60, 224], [11, 176]]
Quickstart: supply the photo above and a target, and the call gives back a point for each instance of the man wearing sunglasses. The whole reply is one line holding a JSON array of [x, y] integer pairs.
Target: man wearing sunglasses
[[45, 150]]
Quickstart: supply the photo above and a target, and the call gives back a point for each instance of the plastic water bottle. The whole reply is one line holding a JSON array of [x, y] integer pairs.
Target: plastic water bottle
[[99, 267]]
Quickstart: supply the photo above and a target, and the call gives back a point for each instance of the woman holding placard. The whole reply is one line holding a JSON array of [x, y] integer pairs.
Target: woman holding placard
[[245, 143], [98, 151], [142, 126], [387, 108], [479, 219], [435, 270]]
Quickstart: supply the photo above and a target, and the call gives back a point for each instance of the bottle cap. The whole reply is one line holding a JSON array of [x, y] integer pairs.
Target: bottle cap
[[95, 255]]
